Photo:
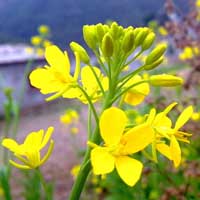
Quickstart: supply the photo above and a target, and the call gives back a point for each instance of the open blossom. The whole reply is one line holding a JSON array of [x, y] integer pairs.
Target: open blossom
[[119, 145], [163, 128], [136, 94], [29, 152], [55, 77]]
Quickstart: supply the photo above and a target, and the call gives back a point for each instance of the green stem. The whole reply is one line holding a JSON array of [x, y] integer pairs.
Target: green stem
[[44, 185], [86, 165], [134, 58], [126, 89], [90, 103], [97, 79]]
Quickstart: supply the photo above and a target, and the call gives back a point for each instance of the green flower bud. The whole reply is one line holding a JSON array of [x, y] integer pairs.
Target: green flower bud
[[89, 35], [100, 31], [81, 51], [154, 65], [156, 54], [128, 41], [165, 80], [141, 35], [148, 41], [114, 29], [107, 45]]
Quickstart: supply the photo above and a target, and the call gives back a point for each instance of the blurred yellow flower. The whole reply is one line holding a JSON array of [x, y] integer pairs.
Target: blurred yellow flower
[[43, 29], [163, 31], [74, 130], [162, 125], [55, 78], [36, 40], [118, 146], [198, 3], [69, 117], [136, 94], [75, 170], [29, 152], [195, 116]]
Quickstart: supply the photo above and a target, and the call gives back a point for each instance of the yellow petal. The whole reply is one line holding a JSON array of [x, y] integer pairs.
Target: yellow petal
[[88, 79], [162, 120], [102, 161], [184, 117], [133, 98], [112, 124], [151, 116], [164, 149], [72, 93], [168, 109], [57, 59], [137, 138], [175, 151], [34, 139], [47, 137], [43, 79], [128, 169], [10, 144]]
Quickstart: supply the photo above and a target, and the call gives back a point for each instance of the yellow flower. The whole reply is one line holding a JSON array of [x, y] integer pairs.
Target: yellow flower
[[36, 40], [55, 78], [162, 125], [136, 94], [118, 146], [74, 130], [195, 116], [162, 30], [29, 152], [75, 170], [90, 85], [198, 3], [43, 29], [69, 117], [47, 43]]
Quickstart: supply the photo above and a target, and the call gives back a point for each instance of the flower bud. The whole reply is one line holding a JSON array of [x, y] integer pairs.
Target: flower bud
[[148, 41], [84, 57], [156, 53], [100, 31], [154, 65], [114, 29], [141, 35], [89, 35], [128, 41], [165, 80], [107, 45]]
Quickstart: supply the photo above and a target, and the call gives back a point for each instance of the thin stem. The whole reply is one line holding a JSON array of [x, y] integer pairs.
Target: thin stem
[[126, 78], [90, 102], [101, 62], [126, 89], [134, 58], [43, 183], [97, 79], [89, 122]]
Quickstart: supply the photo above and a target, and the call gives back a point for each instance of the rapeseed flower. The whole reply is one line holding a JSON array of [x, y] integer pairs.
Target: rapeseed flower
[[119, 145], [136, 94], [55, 78], [163, 129], [29, 152]]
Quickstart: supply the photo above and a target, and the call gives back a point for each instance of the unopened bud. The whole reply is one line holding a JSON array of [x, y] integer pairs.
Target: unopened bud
[[81, 51], [156, 53], [154, 65], [107, 45], [148, 41], [100, 31], [141, 35], [128, 41], [165, 80], [89, 35]]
